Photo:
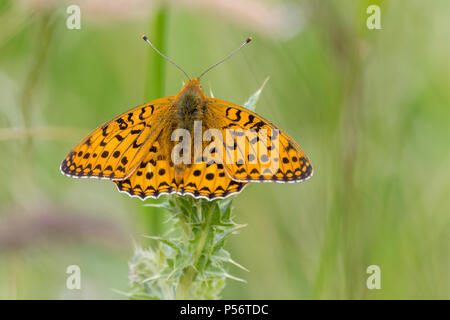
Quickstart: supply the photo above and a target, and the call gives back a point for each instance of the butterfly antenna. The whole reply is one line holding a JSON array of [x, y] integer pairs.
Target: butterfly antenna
[[151, 44], [227, 57]]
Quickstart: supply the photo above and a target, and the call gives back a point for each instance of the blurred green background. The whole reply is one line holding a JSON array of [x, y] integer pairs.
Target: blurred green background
[[369, 107]]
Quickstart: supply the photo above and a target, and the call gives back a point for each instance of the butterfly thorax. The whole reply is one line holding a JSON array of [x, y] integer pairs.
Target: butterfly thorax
[[190, 105]]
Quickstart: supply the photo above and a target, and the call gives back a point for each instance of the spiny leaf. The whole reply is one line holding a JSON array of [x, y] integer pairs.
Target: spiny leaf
[[170, 243], [220, 237], [251, 102]]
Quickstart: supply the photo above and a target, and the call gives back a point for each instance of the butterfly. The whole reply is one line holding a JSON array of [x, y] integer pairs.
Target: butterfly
[[138, 152]]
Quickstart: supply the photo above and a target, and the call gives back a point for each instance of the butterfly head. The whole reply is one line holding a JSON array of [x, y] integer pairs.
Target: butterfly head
[[192, 88]]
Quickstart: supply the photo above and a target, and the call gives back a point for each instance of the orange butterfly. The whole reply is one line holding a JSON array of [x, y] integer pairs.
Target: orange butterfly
[[138, 151]]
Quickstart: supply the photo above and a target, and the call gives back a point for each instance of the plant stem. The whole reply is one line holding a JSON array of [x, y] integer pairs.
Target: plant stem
[[190, 272], [46, 26], [156, 75], [154, 88]]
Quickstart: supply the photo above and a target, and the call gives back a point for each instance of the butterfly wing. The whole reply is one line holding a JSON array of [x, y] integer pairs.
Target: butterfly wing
[[260, 151], [157, 175], [116, 148]]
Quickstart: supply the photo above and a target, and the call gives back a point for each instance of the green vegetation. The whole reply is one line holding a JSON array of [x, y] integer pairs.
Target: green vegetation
[[369, 107]]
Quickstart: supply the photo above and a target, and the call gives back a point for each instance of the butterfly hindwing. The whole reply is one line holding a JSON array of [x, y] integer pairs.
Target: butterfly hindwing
[[117, 147], [257, 150], [153, 179], [209, 181]]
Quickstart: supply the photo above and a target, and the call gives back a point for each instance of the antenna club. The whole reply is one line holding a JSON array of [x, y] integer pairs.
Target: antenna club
[[144, 37], [248, 39]]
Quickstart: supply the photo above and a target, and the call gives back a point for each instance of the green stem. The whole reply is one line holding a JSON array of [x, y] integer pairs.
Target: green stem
[[46, 27], [155, 88], [156, 75], [190, 272]]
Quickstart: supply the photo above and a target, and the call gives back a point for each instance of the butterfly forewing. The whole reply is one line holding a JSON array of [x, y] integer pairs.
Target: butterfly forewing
[[116, 148], [156, 177], [254, 149]]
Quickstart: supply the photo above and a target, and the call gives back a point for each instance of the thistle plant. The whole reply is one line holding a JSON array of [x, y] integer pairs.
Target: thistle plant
[[189, 261]]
